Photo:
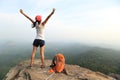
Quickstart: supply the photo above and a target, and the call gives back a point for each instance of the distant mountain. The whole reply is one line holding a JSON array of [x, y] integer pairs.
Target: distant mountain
[[67, 48], [95, 58]]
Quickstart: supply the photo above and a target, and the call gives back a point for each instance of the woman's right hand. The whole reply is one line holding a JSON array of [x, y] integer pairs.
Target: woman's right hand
[[21, 11], [53, 10]]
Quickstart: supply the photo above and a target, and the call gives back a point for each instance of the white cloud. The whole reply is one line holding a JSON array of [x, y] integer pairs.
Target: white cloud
[[100, 26], [15, 27], [78, 23]]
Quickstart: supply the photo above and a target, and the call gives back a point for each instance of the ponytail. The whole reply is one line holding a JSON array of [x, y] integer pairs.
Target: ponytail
[[36, 22]]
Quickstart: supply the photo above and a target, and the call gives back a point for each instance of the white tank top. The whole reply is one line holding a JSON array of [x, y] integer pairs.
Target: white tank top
[[40, 31]]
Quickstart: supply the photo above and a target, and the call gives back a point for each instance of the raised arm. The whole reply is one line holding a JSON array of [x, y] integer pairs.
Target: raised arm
[[45, 21], [22, 12]]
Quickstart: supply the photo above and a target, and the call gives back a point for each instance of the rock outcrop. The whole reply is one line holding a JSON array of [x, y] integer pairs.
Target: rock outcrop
[[116, 76], [75, 72]]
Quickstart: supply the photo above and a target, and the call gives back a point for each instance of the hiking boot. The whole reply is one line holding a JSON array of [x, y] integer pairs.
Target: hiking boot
[[42, 66]]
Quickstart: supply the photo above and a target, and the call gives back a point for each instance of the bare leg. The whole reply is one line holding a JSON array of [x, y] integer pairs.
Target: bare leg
[[42, 55], [33, 55]]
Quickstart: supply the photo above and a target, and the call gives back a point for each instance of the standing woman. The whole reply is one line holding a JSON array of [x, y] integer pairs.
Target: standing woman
[[40, 38]]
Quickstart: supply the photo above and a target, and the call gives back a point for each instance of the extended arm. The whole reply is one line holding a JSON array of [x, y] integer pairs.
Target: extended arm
[[45, 21], [21, 11]]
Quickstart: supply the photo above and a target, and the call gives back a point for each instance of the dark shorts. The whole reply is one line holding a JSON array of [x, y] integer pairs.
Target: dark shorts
[[38, 42]]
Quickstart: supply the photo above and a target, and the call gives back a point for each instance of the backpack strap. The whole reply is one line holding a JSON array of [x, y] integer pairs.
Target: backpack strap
[[53, 62]]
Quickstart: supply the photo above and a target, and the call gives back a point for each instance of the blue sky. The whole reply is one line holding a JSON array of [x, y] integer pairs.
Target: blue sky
[[84, 21]]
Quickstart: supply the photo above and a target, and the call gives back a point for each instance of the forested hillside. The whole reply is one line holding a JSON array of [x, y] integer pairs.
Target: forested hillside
[[98, 59], [95, 58]]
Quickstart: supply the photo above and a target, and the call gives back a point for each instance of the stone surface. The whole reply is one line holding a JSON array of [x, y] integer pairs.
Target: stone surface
[[75, 72]]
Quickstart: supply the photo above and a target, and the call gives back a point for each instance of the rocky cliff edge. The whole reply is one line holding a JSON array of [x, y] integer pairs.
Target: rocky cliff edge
[[75, 72]]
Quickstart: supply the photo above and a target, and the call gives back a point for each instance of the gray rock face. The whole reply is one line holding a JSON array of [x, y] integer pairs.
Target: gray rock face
[[75, 72], [116, 76]]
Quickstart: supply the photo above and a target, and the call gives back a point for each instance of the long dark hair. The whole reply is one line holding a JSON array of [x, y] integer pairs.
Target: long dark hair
[[36, 22]]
